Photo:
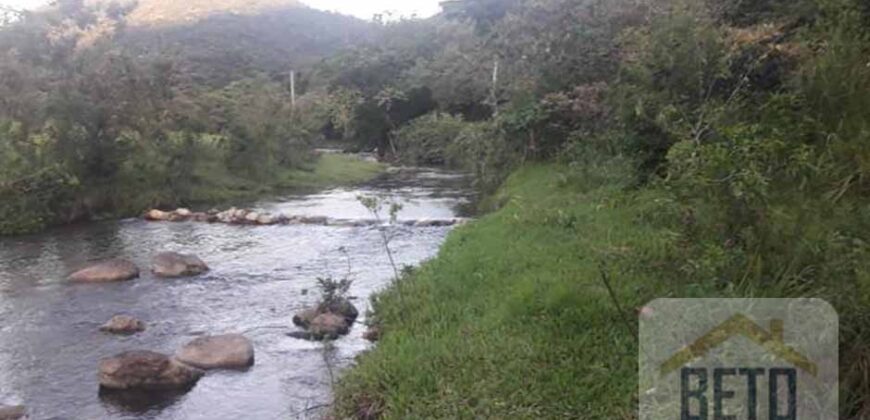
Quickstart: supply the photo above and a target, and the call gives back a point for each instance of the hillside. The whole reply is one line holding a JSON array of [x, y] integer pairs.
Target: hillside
[[170, 12], [217, 42]]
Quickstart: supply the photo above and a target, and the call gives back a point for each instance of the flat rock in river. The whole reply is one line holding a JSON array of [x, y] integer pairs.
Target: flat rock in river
[[107, 271], [229, 351], [146, 370], [173, 264]]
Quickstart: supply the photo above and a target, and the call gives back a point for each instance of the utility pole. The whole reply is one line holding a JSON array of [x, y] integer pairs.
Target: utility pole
[[293, 90], [494, 93]]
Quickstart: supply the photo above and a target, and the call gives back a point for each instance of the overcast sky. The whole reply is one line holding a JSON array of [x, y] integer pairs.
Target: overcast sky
[[364, 9]]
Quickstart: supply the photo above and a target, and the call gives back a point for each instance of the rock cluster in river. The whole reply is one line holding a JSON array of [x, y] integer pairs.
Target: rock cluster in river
[[235, 216], [166, 264], [326, 321], [144, 370]]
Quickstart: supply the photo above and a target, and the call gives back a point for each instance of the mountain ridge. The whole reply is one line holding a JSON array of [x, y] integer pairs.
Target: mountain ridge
[[157, 13]]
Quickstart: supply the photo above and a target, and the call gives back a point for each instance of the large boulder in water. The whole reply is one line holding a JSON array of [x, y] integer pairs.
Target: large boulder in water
[[340, 306], [107, 271], [304, 317], [230, 351], [123, 324], [173, 264], [146, 370], [329, 320], [13, 412], [328, 326]]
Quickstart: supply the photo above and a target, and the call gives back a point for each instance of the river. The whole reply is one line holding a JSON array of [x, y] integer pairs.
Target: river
[[50, 344]]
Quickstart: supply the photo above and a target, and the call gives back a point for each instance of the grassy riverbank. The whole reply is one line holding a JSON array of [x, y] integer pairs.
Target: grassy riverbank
[[328, 170], [512, 320]]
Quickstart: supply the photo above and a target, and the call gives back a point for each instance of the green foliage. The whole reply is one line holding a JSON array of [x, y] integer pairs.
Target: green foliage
[[482, 148], [714, 149], [89, 128], [428, 140], [332, 290]]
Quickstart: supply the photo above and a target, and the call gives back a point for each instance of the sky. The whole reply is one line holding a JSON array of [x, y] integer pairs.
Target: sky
[[364, 9]]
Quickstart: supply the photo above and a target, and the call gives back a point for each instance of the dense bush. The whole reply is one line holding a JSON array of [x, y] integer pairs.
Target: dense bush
[[428, 140], [768, 178]]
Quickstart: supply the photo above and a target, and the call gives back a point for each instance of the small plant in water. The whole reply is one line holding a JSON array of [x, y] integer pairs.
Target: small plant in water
[[332, 290], [375, 206]]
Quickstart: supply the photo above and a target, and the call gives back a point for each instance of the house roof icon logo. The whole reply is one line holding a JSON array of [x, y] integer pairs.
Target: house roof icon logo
[[741, 325]]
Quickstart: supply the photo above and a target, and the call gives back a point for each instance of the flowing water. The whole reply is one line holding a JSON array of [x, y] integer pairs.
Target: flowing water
[[49, 340]]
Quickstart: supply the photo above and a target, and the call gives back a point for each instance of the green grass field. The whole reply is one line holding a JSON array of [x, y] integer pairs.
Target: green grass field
[[331, 170], [328, 170], [512, 319]]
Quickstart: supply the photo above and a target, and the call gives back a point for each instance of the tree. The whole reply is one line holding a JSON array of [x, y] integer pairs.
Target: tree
[[342, 105]]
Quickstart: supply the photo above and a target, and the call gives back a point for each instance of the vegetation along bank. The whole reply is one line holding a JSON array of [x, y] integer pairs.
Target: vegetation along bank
[[631, 150]]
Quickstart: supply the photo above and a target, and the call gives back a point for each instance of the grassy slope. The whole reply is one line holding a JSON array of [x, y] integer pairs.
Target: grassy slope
[[329, 170], [512, 320]]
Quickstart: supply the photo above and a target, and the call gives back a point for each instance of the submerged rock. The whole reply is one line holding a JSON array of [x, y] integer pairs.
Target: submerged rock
[[173, 264], [146, 370], [123, 324], [107, 271], [230, 351], [13, 412], [313, 220]]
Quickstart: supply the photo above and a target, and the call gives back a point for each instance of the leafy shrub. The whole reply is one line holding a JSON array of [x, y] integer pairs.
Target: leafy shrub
[[482, 148], [427, 140]]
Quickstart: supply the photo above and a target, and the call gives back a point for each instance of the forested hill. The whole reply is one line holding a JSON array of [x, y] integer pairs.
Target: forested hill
[[109, 108], [170, 12], [225, 46], [216, 42]]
